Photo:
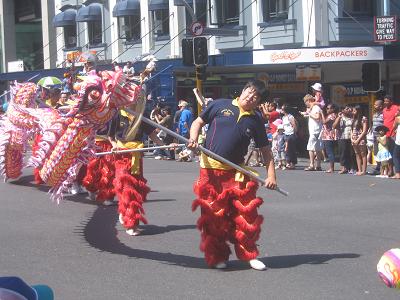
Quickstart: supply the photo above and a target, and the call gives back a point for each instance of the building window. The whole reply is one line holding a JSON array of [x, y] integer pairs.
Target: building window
[[95, 33], [359, 8], [224, 12], [160, 19], [70, 36], [129, 28], [200, 11], [275, 9]]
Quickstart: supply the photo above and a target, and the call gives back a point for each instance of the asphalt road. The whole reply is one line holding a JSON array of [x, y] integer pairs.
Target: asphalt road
[[321, 242]]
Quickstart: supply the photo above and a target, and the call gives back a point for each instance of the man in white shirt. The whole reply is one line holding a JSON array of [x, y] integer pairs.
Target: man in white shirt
[[314, 145]]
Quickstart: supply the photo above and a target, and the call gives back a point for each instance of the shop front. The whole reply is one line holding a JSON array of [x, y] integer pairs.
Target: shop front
[[289, 74]]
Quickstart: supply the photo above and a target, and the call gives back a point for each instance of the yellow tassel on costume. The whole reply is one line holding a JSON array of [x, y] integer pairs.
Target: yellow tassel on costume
[[207, 162], [136, 156]]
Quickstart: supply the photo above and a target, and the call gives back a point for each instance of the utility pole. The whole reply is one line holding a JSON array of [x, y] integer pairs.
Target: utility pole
[[195, 51], [386, 12]]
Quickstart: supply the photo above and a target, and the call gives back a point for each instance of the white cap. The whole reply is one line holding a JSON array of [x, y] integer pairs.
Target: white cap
[[183, 103], [317, 86]]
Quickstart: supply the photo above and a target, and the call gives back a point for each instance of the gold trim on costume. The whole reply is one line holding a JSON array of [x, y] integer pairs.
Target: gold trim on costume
[[207, 162], [136, 156]]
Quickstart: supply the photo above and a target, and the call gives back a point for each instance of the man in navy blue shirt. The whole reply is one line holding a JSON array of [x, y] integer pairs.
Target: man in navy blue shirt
[[227, 198]]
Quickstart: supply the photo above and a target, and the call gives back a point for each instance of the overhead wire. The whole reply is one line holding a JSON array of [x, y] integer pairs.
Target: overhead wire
[[309, 21], [275, 20], [353, 18], [87, 45], [52, 55], [152, 30]]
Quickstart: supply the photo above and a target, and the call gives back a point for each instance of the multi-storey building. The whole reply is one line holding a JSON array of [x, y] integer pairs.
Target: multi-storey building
[[287, 43]]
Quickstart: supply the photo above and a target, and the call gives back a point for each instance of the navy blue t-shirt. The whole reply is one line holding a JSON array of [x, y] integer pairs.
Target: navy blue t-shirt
[[229, 137]]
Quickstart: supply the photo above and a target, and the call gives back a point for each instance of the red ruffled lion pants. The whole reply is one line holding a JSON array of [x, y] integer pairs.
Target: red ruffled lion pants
[[100, 173], [131, 190], [228, 213]]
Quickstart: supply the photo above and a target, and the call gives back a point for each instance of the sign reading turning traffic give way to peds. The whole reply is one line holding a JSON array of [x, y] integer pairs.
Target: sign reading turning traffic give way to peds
[[385, 29]]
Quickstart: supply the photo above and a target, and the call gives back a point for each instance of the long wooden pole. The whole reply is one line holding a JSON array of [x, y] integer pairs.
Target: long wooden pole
[[139, 149], [208, 152]]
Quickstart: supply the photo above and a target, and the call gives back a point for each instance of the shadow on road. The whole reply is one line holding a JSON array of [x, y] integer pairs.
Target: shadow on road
[[28, 181], [160, 200], [290, 261], [100, 232], [154, 229]]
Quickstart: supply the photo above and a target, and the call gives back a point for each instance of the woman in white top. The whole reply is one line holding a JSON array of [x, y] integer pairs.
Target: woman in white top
[[290, 128], [314, 145]]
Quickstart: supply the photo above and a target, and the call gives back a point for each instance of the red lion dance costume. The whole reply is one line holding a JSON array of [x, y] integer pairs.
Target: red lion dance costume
[[98, 101], [129, 183], [227, 198], [131, 188], [228, 213], [100, 172]]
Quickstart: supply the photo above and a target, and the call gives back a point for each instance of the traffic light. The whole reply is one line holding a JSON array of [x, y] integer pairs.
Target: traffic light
[[200, 51], [371, 77], [201, 72], [187, 52]]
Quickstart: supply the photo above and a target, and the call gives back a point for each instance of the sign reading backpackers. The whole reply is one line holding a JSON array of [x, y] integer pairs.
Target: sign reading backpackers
[[385, 29]]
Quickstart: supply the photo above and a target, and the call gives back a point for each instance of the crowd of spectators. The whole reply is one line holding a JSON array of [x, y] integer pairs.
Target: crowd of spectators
[[337, 134]]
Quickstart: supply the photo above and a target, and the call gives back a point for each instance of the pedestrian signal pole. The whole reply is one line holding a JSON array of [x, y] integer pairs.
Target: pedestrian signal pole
[[195, 53], [199, 86], [200, 59], [371, 83]]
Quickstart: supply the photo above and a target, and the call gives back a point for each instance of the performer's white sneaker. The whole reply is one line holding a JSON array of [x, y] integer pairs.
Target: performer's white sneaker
[[75, 189], [221, 265], [132, 232], [92, 196], [257, 265], [108, 202], [121, 219]]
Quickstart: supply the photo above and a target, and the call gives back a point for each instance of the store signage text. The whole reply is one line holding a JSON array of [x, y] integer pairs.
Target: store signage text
[[317, 55]]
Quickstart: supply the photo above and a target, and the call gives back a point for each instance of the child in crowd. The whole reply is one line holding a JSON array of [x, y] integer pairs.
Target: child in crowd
[[281, 145], [383, 155], [317, 93], [370, 145]]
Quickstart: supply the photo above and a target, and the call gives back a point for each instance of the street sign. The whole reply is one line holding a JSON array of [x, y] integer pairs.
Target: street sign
[[197, 28], [385, 29], [15, 66]]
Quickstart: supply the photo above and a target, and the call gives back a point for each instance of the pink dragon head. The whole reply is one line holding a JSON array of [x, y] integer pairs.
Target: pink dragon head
[[121, 91], [100, 97]]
